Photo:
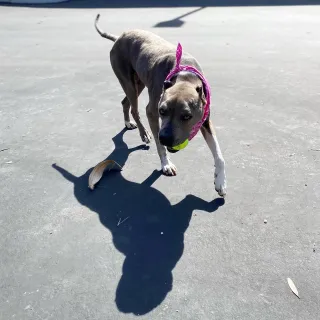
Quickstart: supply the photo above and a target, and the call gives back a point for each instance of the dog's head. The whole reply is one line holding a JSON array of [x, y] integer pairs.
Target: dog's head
[[180, 108]]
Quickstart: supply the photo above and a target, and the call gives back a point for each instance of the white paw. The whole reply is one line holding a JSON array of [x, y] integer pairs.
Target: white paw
[[220, 182], [130, 125], [146, 137], [168, 168]]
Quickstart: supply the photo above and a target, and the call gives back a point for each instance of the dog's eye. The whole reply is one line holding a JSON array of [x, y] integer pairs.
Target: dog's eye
[[186, 117], [162, 111]]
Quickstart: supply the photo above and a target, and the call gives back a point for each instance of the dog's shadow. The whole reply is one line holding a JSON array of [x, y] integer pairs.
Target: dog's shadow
[[152, 238]]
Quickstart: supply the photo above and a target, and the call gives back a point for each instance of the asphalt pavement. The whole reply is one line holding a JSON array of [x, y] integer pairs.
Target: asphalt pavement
[[143, 245]]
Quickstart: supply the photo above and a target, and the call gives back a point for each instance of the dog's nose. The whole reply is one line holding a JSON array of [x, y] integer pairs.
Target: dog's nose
[[166, 138]]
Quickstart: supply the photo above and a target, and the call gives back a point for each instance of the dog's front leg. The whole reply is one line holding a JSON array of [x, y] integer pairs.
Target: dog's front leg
[[209, 135], [168, 168]]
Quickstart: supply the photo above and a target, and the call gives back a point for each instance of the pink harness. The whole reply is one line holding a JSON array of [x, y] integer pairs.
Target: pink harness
[[178, 68]]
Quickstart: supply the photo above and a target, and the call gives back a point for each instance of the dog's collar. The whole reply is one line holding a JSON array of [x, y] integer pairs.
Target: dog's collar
[[179, 68]]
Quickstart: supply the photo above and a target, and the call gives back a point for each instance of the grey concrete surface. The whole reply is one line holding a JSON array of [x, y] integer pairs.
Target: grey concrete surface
[[182, 253]]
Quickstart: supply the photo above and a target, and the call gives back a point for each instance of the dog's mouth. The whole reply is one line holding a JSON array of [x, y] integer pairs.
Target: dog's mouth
[[172, 150]]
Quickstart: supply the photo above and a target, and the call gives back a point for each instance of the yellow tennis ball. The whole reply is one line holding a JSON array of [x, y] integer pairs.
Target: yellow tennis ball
[[181, 145]]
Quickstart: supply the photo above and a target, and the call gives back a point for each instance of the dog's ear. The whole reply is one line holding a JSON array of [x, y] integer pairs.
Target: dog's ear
[[167, 84], [201, 93]]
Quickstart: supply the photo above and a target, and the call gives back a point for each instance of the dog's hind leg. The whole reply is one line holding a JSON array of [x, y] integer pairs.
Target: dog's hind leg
[[126, 106], [126, 113], [209, 135], [132, 95], [132, 87]]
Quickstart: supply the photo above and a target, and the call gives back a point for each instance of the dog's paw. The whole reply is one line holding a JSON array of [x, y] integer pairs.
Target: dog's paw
[[220, 182], [130, 125], [168, 168], [146, 137]]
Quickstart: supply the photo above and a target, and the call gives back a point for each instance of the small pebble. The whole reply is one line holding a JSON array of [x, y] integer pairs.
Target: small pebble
[[265, 221]]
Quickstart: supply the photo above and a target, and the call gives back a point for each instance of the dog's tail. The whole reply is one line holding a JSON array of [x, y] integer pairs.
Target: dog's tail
[[108, 36]]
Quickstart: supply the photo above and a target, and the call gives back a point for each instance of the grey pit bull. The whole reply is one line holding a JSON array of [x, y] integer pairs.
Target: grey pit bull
[[142, 59]]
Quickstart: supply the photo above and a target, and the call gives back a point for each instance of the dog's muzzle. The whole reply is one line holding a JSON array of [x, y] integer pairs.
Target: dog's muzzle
[[172, 150]]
